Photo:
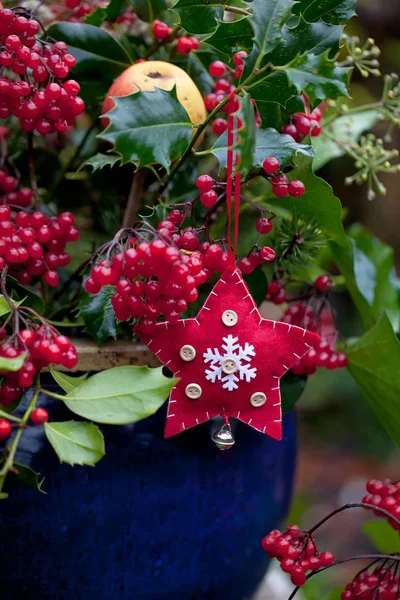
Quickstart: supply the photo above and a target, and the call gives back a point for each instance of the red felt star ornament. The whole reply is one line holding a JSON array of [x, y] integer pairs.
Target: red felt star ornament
[[229, 360]]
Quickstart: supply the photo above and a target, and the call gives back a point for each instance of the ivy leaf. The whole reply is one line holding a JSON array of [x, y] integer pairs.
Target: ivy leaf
[[334, 12], [149, 128], [343, 131], [384, 296], [98, 314], [99, 161], [268, 143], [199, 16], [374, 363], [246, 145], [267, 20], [120, 395], [12, 364], [317, 76], [66, 382], [231, 37], [26, 475], [148, 10], [76, 442], [383, 536]]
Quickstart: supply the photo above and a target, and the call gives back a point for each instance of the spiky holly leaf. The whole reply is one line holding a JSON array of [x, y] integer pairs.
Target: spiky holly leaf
[[199, 16], [99, 161], [76, 442], [148, 128], [334, 12], [267, 20], [231, 37], [247, 134], [148, 10], [317, 76], [26, 475], [98, 314], [374, 363]]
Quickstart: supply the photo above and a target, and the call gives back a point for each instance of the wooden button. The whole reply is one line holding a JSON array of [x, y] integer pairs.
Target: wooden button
[[193, 391], [229, 318], [229, 365], [187, 353], [258, 399]]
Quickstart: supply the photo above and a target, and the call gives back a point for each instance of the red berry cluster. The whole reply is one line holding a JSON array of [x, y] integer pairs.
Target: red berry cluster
[[43, 346], [184, 44], [32, 245], [11, 194], [223, 87], [276, 292], [297, 553], [280, 183], [41, 102], [386, 495], [379, 584], [302, 124]]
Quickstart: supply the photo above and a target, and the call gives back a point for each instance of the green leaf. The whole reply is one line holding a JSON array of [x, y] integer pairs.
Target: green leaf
[[231, 37], [199, 16], [384, 297], [120, 395], [5, 307], [66, 382], [99, 55], [268, 143], [267, 20], [383, 536], [149, 128], [330, 11], [257, 283], [108, 13], [246, 145], [317, 76], [26, 475], [76, 442], [342, 132], [98, 314], [25, 295], [374, 362], [292, 387], [12, 364], [3, 496], [196, 69], [148, 10], [99, 161]]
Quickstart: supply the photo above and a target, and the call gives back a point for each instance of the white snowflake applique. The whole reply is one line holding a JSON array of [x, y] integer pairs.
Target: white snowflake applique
[[231, 364]]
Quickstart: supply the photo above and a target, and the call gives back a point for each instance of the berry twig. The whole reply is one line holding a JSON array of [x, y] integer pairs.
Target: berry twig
[[135, 195]]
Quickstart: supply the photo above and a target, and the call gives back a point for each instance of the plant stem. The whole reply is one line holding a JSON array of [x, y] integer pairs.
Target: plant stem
[[135, 195], [354, 505], [52, 394], [13, 447], [238, 11], [160, 43], [5, 415], [32, 172]]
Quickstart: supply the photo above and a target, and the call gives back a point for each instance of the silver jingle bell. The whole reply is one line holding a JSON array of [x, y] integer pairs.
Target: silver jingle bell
[[223, 438]]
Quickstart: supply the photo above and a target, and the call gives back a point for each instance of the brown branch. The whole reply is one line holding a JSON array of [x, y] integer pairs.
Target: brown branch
[[135, 195]]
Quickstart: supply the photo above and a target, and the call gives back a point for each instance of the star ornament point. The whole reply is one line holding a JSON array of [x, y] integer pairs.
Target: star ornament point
[[229, 360]]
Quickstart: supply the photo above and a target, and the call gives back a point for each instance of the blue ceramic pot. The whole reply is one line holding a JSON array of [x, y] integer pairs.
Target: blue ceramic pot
[[156, 519]]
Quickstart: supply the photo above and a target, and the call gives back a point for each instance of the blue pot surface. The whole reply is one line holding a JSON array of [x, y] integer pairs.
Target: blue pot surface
[[155, 519]]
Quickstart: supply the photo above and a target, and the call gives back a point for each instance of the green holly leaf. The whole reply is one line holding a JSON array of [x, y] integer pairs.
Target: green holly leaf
[[268, 143], [292, 387], [317, 76], [108, 13], [149, 128], [383, 536], [99, 161], [76, 442], [120, 395], [199, 16], [231, 37], [267, 20], [334, 12], [26, 475], [247, 132], [194, 65], [342, 132], [149, 10], [257, 284], [66, 382], [379, 273], [374, 363], [98, 314]]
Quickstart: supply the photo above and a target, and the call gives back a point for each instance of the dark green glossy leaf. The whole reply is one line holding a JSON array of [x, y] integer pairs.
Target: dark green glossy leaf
[[76, 442], [148, 10], [257, 283], [26, 475], [66, 382], [383, 536], [149, 128], [246, 145], [292, 388], [98, 314], [384, 296], [374, 363], [197, 70], [120, 395], [108, 13], [199, 16], [25, 294], [318, 77], [267, 20], [99, 161], [231, 37], [343, 130], [330, 11]]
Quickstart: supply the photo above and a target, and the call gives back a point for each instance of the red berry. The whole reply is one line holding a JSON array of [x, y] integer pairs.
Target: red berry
[[205, 183], [52, 278], [316, 128], [239, 56], [217, 68], [280, 186], [160, 30], [219, 126], [326, 558], [271, 165], [298, 576], [303, 124], [5, 429], [323, 283], [208, 199], [292, 131], [264, 225], [296, 188], [246, 266], [267, 254], [39, 416]]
